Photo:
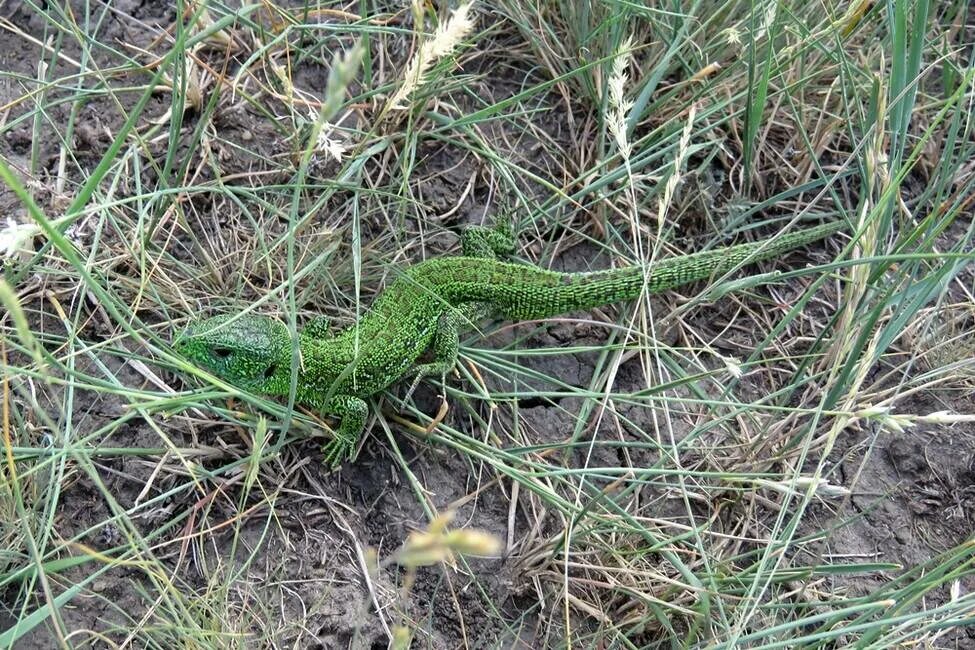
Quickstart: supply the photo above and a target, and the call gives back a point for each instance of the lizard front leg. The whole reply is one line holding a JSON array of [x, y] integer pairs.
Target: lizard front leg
[[351, 412]]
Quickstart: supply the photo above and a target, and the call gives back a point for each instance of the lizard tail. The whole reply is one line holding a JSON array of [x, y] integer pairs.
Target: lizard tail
[[549, 294]]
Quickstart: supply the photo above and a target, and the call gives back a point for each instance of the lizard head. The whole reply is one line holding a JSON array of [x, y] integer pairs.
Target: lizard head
[[253, 352]]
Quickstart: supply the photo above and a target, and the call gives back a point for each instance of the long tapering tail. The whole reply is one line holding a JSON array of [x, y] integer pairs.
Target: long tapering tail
[[546, 294]]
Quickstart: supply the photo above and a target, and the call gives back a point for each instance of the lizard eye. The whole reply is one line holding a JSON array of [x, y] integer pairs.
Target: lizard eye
[[222, 352], [271, 369]]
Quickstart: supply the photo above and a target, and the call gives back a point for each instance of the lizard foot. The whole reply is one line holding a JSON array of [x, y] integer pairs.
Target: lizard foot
[[425, 371], [490, 243], [352, 413], [337, 451]]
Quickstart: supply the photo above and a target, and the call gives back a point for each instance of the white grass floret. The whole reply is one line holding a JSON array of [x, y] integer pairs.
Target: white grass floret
[[674, 178], [620, 106], [15, 237], [448, 36]]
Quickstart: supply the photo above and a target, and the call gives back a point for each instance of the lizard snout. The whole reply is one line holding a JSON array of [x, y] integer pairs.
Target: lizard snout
[[182, 338]]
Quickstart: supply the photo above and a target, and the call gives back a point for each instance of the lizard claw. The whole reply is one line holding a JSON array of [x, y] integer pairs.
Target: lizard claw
[[425, 371], [337, 451], [413, 385]]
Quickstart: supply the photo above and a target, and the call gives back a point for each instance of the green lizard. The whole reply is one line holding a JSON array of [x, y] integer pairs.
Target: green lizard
[[423, 309]]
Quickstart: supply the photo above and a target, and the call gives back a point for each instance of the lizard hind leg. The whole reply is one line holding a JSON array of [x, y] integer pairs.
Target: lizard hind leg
[[445, 345], [491, 243]]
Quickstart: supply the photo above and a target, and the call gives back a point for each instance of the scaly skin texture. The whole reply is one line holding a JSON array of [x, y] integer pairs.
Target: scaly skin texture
[[423, 309]]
